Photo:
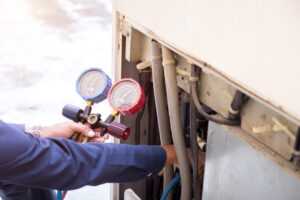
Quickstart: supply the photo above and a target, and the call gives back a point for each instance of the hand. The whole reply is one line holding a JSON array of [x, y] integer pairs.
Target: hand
[[170, 154], [67, 129]]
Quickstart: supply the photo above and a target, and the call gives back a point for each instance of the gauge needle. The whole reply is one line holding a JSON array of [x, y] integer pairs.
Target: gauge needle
[[121, 100], [126, 94]]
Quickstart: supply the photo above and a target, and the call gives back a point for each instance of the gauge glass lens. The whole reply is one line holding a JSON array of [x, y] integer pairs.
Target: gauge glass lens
[[92, 83], [125, 95]]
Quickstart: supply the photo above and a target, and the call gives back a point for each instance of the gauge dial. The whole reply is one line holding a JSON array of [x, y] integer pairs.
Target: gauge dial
[[93, 85], [126, 96]]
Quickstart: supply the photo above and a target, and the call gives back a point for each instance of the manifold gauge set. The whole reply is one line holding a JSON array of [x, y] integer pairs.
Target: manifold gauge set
[[126, 97]]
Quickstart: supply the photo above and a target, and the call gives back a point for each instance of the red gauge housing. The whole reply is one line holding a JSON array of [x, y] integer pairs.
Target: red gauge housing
[[126, 96]]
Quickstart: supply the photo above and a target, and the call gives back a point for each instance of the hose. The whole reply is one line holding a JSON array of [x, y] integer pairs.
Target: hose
[[176, 127], [194, 93], [173, 183], [59, 195], [161, 105]]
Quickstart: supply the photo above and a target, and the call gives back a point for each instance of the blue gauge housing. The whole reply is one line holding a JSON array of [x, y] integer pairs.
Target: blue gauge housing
[[94, 80]]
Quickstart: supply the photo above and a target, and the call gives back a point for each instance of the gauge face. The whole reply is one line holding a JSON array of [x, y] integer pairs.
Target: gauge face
[[93, 85], [126, 96]]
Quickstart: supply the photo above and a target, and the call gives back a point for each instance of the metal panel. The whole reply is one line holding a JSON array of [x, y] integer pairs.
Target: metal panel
[[253, 43], [234, 171]]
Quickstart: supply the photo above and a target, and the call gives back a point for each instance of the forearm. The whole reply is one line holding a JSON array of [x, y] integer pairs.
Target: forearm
[[63, 164]]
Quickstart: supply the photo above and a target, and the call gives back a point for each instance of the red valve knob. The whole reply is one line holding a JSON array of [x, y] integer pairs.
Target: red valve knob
[[118, 130]]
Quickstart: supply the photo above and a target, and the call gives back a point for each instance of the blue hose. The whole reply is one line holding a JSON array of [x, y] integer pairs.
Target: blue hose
[[59, 195], [173, 183]]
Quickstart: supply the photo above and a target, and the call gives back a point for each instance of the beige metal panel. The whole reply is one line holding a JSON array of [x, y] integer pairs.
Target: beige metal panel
[[237, 167], [254, 43]]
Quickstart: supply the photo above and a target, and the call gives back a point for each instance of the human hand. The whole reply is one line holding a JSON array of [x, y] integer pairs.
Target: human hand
[[171, 157], [67, 129]]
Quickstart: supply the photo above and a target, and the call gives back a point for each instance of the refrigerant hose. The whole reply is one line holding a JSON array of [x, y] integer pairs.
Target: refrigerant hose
[[175, 122], [173, 183], [59, 195], [161, 104]]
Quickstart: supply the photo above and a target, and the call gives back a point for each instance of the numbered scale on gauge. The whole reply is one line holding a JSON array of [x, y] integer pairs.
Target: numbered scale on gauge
[[126, 96], [93, 85]]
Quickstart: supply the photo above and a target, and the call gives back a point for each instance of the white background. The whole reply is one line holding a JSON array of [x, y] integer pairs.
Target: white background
[[44, 46]]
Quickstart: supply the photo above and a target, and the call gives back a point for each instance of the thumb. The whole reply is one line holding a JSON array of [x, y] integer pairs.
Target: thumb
[[83, 129]]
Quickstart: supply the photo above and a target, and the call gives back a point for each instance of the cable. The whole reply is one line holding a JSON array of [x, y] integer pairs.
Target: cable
[[219, 120], [172, 184]]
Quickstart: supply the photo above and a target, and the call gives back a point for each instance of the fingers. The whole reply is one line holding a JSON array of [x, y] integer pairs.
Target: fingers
[[83, 129], [90, 133], [171, 157], [94, 135], [100, 139], [106, 137]]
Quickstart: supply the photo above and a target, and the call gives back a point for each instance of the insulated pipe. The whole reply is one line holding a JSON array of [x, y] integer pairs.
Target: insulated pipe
[[176, 127], [161, 105]]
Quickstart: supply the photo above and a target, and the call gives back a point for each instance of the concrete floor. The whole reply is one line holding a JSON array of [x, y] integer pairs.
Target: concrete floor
[[44, 46]]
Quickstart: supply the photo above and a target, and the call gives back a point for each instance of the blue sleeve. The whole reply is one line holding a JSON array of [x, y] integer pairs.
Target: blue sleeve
[[63, 164]]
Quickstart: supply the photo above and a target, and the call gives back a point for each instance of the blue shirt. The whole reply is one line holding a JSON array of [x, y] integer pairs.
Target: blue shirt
[[62, 164]]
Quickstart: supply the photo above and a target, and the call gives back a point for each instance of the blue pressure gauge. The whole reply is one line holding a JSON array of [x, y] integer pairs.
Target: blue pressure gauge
[[93, 85]]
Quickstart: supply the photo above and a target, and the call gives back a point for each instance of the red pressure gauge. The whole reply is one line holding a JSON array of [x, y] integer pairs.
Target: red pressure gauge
[[126, 96]]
